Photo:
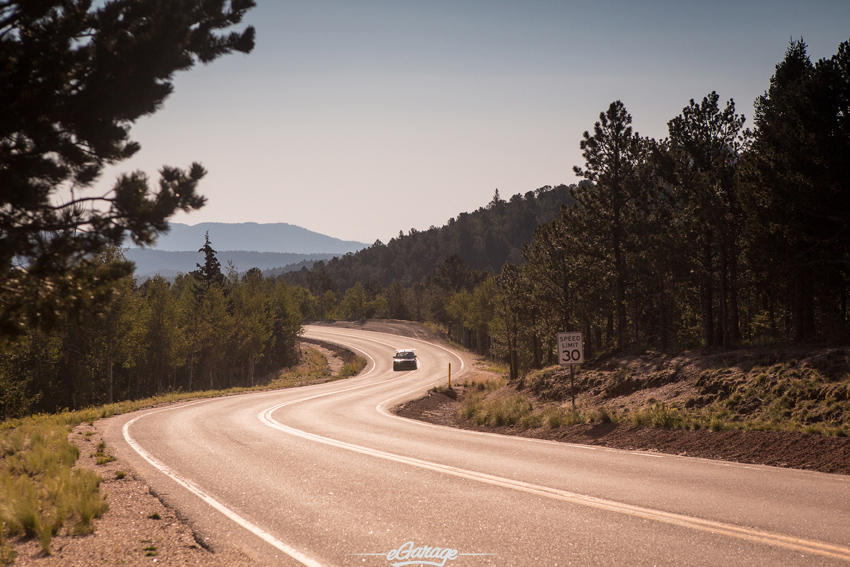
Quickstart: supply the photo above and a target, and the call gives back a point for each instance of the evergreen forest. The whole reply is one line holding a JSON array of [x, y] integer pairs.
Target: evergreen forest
[[720, 235], [716, 236]]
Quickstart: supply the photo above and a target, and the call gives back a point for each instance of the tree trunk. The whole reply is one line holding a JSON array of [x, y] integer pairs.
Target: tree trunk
[[725, 333], [620, 293], [588, 342], [110, 388], [733, 295], [798, 306], [706, 295], [512, 348], [665, 327]]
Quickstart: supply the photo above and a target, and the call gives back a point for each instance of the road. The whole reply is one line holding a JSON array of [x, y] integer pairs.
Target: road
[[328, 475]]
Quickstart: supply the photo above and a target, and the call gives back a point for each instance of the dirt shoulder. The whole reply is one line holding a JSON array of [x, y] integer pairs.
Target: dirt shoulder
[[138, 529]]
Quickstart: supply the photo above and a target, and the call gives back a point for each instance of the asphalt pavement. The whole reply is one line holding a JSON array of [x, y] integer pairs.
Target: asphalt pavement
[[328, 475]]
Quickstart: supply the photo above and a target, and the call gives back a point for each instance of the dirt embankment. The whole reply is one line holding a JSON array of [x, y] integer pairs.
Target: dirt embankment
[[782, 406], [776, 448]]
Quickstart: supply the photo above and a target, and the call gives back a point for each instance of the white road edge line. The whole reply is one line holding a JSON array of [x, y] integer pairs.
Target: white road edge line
[[798, 544], [681, 520], [763, 537], [197, 491]]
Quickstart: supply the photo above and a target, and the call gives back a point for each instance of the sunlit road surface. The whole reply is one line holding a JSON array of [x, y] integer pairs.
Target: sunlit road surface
[[327, 475]]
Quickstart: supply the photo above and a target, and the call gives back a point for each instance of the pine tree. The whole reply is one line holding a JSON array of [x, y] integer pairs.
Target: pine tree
[[797, 178], [605, 201], [210, 273], [705, 144], [73, 80]]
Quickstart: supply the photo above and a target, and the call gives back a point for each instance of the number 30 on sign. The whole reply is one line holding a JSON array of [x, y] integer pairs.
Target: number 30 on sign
[[570, 348]]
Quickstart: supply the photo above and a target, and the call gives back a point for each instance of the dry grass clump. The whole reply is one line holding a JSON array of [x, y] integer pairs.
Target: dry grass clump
[[495, 411], [40, 493], [660, 415], [353, 367]]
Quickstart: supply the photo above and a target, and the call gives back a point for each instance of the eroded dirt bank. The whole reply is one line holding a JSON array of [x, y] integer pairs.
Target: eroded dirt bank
[[783, 449]]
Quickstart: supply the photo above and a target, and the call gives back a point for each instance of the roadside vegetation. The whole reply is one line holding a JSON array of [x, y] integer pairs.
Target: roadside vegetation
[[807, 390], [205, 330], [41, 493]]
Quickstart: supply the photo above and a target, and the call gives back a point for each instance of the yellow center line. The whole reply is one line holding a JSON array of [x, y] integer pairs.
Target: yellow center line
[[758, 536]]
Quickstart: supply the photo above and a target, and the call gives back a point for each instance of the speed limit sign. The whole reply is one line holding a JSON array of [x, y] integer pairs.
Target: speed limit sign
[[570, 348]]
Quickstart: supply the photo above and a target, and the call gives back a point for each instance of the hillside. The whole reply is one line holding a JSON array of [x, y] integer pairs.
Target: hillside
[[484, 239], [276, 248]]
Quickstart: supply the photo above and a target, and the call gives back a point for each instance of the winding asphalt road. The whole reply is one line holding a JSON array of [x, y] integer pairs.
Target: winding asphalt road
[[328, 475]]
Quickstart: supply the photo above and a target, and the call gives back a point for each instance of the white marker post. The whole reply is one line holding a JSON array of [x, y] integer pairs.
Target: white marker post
[[571, 352]]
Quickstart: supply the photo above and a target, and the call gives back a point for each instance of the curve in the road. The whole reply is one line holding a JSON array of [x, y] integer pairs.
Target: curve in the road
[[758, 536], [800, 544], [200, 493]]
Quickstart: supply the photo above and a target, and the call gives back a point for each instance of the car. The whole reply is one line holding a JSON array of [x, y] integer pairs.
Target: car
[[405, 359]]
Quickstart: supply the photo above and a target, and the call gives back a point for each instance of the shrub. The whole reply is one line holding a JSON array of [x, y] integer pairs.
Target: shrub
[[602, 415], [495, 411], [659, 415]]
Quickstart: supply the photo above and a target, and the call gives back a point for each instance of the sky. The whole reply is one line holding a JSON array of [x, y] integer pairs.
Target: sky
[[359, 119]]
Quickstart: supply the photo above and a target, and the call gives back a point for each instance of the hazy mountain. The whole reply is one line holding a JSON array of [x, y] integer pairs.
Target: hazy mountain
[[277, 247], [168, 264], [276, 237]]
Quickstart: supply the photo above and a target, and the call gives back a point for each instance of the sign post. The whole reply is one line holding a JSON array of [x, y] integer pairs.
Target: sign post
[[571, 352]]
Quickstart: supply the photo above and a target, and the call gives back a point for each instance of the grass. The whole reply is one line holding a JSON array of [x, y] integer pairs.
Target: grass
[[486, 385], [7, 554], [781, 397], [353, 367], [660, 416], [790, 396], [149, 549], [496, 411], [101, 458], [41, 493]]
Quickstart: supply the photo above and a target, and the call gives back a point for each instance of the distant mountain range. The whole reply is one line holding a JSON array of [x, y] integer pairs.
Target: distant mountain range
[[275, 237], [269, 247]]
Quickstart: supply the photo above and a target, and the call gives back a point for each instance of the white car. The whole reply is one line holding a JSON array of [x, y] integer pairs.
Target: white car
[[405, 359]]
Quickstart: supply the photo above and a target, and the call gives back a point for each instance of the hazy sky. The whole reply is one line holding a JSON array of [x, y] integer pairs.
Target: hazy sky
[[362, 118]]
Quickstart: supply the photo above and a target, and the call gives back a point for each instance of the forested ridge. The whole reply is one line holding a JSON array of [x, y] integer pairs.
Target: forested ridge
[[484, 240], [716, 236]]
